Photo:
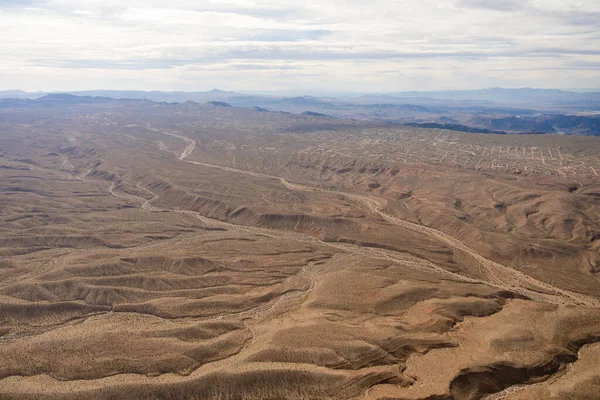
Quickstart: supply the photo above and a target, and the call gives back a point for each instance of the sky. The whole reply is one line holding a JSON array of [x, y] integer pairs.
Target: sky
[[336, 45]]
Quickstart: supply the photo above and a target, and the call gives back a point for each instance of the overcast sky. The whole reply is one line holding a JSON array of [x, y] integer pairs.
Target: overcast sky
[[343, 45]]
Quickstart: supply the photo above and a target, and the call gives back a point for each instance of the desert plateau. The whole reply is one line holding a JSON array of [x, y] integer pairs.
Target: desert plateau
[[156, 250]]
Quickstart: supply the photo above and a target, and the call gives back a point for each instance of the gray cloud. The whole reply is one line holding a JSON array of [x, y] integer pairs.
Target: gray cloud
[[258, 67], [287, 36], [339, 42], [128, 64], [578, 17], [271, 53], [496, 5]]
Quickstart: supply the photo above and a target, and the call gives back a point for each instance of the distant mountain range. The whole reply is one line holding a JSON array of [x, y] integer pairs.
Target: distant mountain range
[[534, 97], [499, 95], [480, 111], [565, 124], [158, 96]]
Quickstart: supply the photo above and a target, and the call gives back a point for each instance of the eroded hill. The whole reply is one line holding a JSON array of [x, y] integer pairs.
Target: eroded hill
[[202, 251]]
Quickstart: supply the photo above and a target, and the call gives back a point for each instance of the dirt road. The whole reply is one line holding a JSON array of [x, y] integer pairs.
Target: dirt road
[[496, 274]]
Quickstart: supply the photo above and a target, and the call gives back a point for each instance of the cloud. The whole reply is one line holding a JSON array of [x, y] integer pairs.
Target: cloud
[[255, 67], [274, 35], [188, 43], [579, 17], [15, 3], [496, 5]]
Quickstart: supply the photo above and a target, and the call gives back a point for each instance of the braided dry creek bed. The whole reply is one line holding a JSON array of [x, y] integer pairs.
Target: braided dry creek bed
[[493, 274]]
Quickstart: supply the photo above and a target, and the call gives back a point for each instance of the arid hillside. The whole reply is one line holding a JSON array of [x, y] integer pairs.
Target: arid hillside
[[201, 251]]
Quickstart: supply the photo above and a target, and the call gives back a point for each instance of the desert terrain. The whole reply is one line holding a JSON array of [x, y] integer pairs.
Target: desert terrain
[[500, 111], [201, 251]]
